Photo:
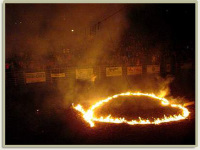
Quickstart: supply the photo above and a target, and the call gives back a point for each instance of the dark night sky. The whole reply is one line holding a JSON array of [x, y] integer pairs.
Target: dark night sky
[[174, 20], [38, 26]]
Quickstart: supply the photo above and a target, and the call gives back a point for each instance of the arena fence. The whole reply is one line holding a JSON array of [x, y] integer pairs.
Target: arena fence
[[85, 73]]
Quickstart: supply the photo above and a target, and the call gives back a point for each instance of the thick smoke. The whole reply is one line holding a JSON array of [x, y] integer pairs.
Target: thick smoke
[[39, 30], [89, 31]]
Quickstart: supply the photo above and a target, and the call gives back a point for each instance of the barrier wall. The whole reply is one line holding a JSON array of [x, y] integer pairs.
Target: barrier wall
[[84, 73]]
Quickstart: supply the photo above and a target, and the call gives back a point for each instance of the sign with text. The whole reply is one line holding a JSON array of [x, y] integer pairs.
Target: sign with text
[[84, 74], [134, 70], [35, 77], [57, 75], [153, 68], [113, 71]]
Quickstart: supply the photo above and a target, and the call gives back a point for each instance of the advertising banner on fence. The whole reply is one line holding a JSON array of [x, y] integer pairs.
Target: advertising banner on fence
[[113, 71], [35, 77], [153, 68], [134, 70], [84, 74], [57, 75]]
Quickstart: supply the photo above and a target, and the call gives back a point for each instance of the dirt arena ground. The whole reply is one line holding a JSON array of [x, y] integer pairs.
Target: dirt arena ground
[[42, 114]]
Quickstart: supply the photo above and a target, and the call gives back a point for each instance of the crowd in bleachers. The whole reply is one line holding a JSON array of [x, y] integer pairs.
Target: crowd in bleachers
[[129, 52], [70, 60]]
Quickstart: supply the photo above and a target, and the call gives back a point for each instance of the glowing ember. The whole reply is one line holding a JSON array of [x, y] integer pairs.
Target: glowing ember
[[90, 117]]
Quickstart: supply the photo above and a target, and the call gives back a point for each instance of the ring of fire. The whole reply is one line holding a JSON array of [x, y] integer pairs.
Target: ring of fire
[[90, 118]]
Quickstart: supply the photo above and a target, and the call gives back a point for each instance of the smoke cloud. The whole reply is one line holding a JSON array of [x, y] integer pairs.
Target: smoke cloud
[[89, 31], [39, 30]]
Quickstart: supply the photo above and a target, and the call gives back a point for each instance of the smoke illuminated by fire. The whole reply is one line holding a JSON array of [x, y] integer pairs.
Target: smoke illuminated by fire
[[90, 117]]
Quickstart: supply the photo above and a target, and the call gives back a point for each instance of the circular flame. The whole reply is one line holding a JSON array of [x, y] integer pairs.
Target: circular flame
[[90, 118]]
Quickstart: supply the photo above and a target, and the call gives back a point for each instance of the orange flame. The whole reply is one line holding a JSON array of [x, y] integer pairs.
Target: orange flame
[[90, 118]]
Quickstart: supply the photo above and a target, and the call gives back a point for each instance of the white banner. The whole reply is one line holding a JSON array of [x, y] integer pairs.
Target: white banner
[[57, 75], [153, 68], [84, 74], [134, 70], [113, 71], [35, 77]]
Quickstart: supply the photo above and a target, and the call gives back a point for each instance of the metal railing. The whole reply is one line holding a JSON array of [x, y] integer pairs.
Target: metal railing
[[14, 77]]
